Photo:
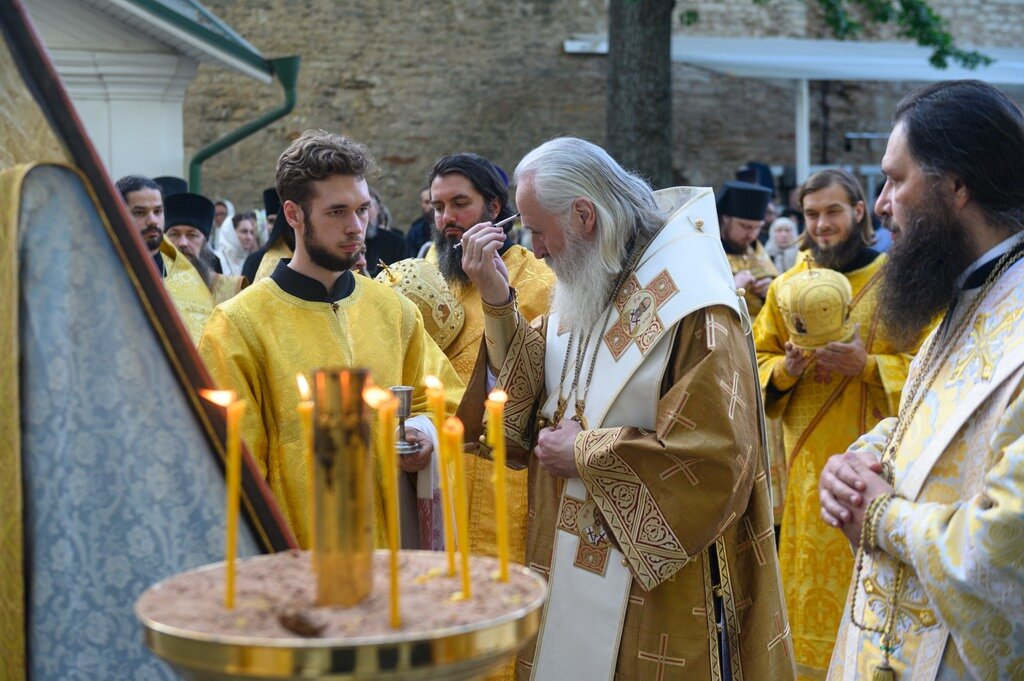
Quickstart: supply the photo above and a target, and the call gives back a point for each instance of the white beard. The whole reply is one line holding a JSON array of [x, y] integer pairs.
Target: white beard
[[582, 287]]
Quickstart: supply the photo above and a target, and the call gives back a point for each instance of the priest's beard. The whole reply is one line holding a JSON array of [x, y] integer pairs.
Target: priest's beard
[[323, 256], [839, 256], [203, 267], [920, 278], [582, 284], [449, 259]]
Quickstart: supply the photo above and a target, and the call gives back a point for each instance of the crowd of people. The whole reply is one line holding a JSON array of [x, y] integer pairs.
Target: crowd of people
[[744, 445]]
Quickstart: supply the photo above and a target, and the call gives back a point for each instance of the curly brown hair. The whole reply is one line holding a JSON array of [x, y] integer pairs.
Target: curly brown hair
[[316, 155]]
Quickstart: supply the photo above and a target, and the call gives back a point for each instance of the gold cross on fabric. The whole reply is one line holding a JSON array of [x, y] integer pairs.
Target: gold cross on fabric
[[683, 466], [661, 658], [733, 392], [711, 328], [981, 345], [917, 612], [781, 634], [638, 314], [754, 542]]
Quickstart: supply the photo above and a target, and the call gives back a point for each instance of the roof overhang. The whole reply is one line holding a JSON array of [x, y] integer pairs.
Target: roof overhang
[[204, 38], [801, 59]]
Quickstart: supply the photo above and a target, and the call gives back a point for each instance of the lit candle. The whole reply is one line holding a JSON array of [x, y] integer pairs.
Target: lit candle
[[386, 405], [306, 419], [453, 433], [496, 439], [233, 410], [435, 402]]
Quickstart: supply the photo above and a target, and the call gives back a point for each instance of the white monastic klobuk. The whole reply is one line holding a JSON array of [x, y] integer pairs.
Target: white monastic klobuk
[[683, 269]]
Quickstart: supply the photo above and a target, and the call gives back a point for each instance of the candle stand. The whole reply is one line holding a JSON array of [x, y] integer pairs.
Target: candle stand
[[292, 621]]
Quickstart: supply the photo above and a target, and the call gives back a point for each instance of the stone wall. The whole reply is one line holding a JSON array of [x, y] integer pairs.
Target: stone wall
[[417, 80]]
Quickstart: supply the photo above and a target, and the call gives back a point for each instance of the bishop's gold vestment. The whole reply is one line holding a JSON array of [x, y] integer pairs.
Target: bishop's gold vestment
[[822, 413], [187, 290], [258, 341], [959, 528], [683, 501], [532, 280]]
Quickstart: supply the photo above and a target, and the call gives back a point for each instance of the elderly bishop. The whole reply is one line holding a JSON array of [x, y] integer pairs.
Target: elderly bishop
[[635, 407]]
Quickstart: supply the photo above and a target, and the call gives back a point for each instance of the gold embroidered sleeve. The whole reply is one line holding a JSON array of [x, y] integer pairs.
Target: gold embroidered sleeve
[[968, 555], [230, 361], [667, 494]]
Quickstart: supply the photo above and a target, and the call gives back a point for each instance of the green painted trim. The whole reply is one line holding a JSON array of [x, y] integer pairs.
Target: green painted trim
[[233, 45]]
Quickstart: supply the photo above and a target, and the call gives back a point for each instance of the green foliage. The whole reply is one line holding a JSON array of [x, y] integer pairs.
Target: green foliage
[[915, 19]]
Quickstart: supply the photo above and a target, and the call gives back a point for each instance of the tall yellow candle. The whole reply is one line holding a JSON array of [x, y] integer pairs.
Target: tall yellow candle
[[234, 409], [305, 410], [386, 405], [453, 434], [435, 402], [496, 439]]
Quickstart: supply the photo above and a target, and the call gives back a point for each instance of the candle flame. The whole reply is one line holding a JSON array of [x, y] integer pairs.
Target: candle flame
[[222, 397], [498, 396], [375, 397], [433, 383], [453, 425], [303, 387]]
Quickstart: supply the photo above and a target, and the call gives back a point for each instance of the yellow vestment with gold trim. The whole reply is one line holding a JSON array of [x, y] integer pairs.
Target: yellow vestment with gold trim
[[756, 260], [822, 413], [959, 528], [532, 280], [259, 340], [274, 254], [225, 286], [187, 290]]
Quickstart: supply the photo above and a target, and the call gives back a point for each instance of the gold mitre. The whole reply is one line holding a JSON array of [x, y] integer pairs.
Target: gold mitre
[[422, 283], [815, 307]]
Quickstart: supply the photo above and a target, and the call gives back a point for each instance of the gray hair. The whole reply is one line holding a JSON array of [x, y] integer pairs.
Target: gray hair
[[567, 168]]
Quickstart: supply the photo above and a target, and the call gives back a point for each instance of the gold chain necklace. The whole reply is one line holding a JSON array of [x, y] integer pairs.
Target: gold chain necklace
[[930, 367], [635, 248]]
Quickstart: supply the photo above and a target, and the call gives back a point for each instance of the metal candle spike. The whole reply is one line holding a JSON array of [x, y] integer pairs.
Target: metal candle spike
[[404, 395]]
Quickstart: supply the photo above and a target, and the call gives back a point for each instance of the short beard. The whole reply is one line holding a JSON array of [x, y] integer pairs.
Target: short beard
[[582, 285], [920, 277], [321, 255], [839, 256]]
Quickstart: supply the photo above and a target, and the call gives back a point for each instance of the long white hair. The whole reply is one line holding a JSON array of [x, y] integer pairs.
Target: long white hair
[[567, 168]]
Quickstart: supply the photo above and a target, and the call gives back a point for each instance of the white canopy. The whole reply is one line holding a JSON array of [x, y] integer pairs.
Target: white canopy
[[802, 60]]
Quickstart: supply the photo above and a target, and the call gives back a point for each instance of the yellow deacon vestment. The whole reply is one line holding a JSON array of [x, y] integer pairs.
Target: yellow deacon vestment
[[822, 413], [957, 525], [187, 290], [532, 280], [755, 259], [287, 324]]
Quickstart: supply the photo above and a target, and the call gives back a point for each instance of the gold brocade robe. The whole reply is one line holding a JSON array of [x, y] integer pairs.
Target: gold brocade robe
[[760, 265], [959, 528], [532, 280], [277, 252], [822, 413], [704, 485], [187, 290], [226, 286], [259, 340]]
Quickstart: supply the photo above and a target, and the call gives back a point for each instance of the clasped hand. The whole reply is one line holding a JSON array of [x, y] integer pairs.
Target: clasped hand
[[555, 448], [848, 483]]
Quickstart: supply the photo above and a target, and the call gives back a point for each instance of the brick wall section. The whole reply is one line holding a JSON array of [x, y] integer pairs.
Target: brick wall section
[[417, 80]]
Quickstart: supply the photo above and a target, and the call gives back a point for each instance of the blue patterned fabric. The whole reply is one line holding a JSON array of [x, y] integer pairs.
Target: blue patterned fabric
[[121, 489]]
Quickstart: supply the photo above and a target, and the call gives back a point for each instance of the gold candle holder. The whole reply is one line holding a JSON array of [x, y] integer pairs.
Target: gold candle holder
[[343, 487]]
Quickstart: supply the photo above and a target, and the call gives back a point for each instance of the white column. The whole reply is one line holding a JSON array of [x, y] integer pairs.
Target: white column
[[131, 105], [802, 126]]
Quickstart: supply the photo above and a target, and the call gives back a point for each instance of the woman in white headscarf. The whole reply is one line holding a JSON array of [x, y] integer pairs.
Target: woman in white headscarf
[[781, 246], [223, 240]]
